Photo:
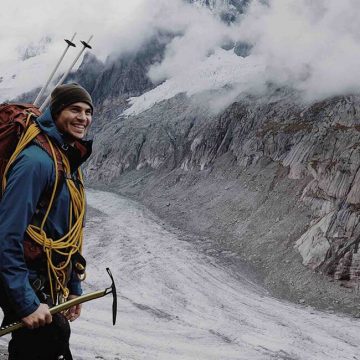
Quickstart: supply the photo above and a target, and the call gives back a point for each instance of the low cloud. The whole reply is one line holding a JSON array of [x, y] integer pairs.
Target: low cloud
[[310, 46]]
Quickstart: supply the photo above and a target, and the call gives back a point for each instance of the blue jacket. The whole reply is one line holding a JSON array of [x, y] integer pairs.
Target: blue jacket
[[30, 176]]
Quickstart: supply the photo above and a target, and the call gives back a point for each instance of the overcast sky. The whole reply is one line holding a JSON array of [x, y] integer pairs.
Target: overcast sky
[[23, 23], [311, 45]]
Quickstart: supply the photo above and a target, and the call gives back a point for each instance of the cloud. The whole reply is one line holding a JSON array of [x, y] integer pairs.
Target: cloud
[[22, 24], [199, 34], [311, 46]]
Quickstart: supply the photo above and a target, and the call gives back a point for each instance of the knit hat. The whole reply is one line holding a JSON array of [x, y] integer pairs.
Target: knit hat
[[65, 95]]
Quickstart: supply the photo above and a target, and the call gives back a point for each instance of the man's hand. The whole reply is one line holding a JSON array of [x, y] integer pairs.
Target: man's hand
[[74, 312], [40, 317]]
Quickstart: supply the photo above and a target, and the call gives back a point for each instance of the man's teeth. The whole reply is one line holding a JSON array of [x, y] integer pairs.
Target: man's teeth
[[82, 127]]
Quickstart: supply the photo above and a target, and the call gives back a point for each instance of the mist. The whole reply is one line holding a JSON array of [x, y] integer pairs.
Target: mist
[[312, 46]]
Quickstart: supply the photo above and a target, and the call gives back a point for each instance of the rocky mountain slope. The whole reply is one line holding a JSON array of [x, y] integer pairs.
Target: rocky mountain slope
[[271, 179]]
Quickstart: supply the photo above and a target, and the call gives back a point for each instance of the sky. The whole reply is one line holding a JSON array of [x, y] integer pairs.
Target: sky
[[312, 46], [60, 19]]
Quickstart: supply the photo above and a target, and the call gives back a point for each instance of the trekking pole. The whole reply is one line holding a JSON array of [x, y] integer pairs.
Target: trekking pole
[[68, 304], [85, 46], [69, 43]]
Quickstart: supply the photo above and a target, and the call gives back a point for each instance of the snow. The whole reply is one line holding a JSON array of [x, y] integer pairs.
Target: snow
[[222, 68], [19, 76], [176, 303]]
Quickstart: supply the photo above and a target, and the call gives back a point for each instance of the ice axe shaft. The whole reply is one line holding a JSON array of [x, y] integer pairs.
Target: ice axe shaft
[[68, 304], [69, 43], [85, 46]]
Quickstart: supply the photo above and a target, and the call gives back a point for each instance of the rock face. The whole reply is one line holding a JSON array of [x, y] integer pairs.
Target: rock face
[[35, 49], [318, 144], [237, 5], [229, 10]]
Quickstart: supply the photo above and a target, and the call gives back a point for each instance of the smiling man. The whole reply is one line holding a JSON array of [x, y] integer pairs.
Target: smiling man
[[34, 275]]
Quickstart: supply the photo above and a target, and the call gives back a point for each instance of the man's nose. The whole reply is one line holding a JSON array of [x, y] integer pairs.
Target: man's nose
[[82, 115]]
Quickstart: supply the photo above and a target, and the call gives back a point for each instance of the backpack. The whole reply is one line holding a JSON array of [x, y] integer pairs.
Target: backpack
[[14, 121]]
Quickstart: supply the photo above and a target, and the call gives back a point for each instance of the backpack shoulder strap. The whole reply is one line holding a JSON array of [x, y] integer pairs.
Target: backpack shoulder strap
[[42, 142]]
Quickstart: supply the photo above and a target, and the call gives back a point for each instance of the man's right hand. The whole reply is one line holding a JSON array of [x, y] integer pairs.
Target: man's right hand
[[40, 317]]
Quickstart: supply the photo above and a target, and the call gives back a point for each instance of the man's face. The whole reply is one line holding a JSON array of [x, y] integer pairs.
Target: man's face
[[74, 120]]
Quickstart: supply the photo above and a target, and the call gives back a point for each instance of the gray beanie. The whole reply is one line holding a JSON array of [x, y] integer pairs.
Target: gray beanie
[[67, 94]]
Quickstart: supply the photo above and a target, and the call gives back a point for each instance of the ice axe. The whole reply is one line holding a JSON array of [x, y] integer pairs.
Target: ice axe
[[68, 304]]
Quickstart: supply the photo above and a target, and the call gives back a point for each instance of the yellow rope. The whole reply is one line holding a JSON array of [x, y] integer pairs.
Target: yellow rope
[[27, 136], [71, 242]]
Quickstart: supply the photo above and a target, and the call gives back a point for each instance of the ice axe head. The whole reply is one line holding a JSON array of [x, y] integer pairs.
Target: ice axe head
[[112, 290]]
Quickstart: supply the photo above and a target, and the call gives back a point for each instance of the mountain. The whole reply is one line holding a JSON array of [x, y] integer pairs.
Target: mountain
[[17, 76], [238, 5], [228, 10], [268, 178], [35, 49], [111, 84]]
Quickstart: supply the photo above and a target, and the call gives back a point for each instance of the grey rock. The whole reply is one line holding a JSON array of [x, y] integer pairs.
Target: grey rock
[[317, 143]]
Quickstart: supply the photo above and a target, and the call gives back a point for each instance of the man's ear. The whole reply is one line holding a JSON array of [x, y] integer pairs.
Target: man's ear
[[55, 117]]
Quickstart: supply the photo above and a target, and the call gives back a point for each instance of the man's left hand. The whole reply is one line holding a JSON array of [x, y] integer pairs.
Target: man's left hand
[[74, 312]]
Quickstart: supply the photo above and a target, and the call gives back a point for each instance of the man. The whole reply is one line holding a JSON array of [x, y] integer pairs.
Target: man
[[31, 270]]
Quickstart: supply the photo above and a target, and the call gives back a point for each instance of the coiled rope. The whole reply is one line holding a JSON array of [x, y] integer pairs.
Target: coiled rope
[[71, 242]]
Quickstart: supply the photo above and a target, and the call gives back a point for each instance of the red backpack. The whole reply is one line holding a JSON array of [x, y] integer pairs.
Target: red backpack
[[14, 120]]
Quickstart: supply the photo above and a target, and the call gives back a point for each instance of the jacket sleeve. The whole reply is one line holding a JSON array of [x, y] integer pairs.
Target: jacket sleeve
[[27, 179]]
